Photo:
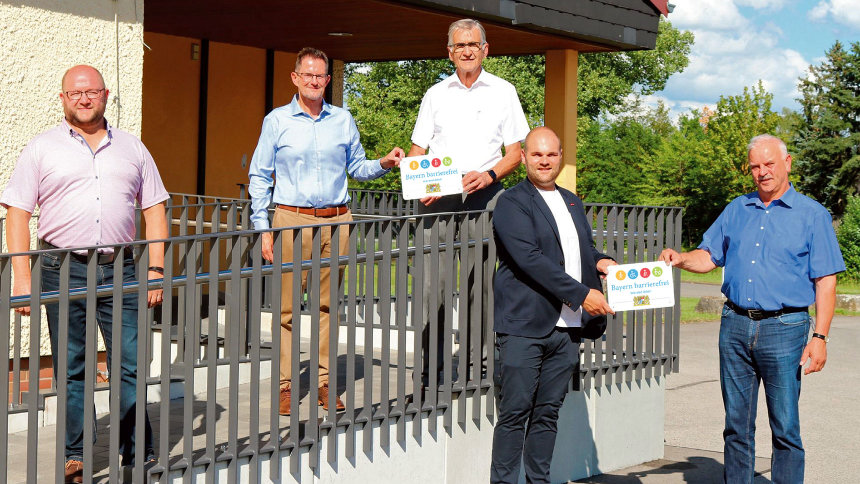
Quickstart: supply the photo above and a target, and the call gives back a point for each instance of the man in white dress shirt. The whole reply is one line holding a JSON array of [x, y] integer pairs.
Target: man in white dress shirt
[[469, 116]]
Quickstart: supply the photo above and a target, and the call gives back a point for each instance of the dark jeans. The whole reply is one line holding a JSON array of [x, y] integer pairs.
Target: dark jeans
[[481, 200], [77, 351], [534, 375], [767, 350]]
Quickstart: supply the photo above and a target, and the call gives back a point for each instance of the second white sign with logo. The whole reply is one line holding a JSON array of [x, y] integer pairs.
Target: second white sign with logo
[[647, 285]]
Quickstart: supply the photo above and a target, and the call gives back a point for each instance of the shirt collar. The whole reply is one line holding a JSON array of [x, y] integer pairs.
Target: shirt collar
[[482, 80], [296, 110], [788, 198], [68, 129]]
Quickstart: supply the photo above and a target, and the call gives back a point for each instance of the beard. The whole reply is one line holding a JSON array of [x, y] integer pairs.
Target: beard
[[89, 117]]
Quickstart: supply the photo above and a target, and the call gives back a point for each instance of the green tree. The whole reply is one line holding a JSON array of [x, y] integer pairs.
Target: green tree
[[384, 97], [606, 79], [848, 235], [703, 166], [828, 141], [614, 157]]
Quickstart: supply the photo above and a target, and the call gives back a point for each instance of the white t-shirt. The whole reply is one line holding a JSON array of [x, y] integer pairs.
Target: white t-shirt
[[570, 247], [470, 124]]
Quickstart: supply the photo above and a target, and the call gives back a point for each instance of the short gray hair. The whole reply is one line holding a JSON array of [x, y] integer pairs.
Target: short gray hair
[[466, 24], [767, 137]]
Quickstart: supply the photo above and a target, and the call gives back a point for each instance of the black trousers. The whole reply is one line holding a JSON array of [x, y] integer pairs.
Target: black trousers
[[534, 375]]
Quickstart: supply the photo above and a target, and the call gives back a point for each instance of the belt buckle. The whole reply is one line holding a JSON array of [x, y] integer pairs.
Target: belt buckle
[[755, 314]]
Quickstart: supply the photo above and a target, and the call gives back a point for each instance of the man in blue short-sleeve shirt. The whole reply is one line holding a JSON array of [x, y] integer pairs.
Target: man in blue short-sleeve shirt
[[780, 256]]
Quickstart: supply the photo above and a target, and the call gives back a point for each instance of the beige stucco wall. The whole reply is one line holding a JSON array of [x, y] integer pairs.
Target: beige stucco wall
[[40, 39]]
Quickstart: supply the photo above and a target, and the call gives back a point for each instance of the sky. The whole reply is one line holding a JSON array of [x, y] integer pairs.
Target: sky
[[739, 42]]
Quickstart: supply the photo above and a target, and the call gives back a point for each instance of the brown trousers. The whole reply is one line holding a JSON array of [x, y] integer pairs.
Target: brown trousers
[[285, 218]]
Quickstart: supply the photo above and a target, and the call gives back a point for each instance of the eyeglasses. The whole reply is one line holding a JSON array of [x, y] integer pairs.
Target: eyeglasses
[[308, 77], [91, 94], [459, 46]]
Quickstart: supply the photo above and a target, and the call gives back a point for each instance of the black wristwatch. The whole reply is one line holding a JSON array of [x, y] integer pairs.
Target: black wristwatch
[[492, 175], [821, 336]]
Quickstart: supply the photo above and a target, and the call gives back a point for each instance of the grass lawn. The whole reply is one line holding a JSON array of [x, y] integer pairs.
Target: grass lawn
[[716, 277], [689, 314]]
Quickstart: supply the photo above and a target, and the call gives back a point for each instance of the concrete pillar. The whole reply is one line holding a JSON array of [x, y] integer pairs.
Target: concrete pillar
[[337, 82], [560, 108]]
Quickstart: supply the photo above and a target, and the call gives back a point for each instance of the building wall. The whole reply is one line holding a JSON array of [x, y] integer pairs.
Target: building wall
[[41, 39], [235, 108], [237, 102], [171, 96]]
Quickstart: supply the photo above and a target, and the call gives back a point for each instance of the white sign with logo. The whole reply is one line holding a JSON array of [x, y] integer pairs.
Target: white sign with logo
[[430, 176], [647, 285]]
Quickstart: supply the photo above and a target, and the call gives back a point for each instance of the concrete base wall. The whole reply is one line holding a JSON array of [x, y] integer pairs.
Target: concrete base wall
[[599, 430]]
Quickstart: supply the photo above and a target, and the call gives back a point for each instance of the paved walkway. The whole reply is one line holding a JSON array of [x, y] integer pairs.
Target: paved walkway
[[829, 411]]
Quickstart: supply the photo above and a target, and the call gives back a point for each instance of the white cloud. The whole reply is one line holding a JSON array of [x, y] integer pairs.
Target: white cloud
[[762, 4], [732, 52], [713, 74], [720, 15], [845, 12], [676, 107]]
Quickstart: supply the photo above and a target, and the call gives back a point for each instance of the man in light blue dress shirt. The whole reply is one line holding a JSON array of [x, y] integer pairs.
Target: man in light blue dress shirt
[[308, 146], [780, 256]]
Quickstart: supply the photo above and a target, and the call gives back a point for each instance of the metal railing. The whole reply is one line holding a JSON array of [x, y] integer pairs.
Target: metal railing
[[213, 345]]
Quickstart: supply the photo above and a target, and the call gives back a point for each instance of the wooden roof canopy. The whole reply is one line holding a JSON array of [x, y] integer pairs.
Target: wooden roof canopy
[[375, 30]]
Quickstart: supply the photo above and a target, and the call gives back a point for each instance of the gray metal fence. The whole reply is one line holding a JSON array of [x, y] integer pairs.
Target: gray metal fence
[[208, 356]]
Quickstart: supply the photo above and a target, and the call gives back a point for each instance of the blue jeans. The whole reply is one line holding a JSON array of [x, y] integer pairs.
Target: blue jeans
[[534, 374], [77, 352], [767, 350]]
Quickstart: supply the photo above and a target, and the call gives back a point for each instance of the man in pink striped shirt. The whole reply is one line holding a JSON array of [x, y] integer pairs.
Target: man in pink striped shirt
[[86, 178]]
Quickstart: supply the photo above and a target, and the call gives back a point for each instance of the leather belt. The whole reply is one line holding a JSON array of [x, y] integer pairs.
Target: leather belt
[[103, 258], [758, 314], [317, 212]]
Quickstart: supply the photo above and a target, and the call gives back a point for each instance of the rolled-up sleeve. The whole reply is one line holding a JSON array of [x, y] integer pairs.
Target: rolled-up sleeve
[[714, 240], [152, 189], [22, 191], [260, 175], [357, 164], [423, 131], [825, 257], [515, 126]]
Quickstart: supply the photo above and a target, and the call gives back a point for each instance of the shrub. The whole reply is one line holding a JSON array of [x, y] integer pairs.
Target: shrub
[[848, 235]]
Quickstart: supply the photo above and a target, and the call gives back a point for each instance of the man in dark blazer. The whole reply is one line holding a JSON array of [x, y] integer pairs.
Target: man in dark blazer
[[547, 296]]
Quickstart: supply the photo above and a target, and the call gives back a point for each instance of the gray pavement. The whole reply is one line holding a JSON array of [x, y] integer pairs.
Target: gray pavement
[[829, 413]]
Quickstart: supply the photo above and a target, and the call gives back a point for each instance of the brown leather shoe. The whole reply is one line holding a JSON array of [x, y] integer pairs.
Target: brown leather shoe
[[323, 399], [74, 471], [285, 399]]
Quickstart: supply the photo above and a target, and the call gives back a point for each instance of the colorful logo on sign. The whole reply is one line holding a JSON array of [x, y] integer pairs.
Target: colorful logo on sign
[[446, 161], [632, 274], [645, 273], [657, 271], [413, 164], [436, 162], [620, 275], [643, 300], [425, 163]]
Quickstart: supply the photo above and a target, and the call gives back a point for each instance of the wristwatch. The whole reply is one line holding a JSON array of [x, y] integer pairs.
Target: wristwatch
[[492, 175], [821, 336]]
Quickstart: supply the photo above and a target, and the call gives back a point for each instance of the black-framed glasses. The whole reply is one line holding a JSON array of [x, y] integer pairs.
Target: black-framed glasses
[[91, 94], [308, 77], [459, 46]]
